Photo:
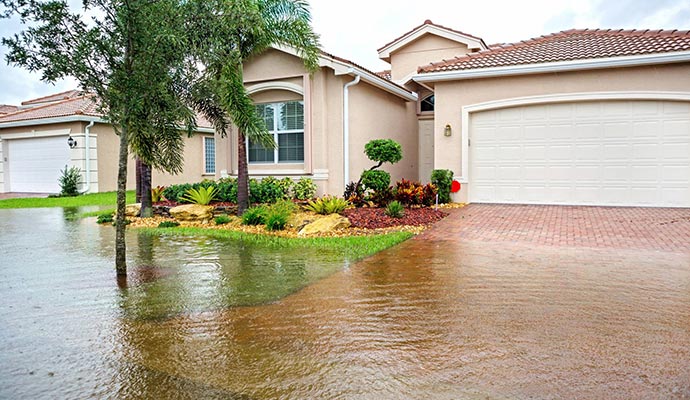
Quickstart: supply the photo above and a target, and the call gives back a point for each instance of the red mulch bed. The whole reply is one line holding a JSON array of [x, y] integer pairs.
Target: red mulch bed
[[374, 218]]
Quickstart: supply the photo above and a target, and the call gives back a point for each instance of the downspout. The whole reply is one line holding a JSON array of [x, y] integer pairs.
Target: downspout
[[346, 126], [87, 132]]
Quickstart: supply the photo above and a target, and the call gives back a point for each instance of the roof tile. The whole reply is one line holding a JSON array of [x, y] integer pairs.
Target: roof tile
[[569, 45]]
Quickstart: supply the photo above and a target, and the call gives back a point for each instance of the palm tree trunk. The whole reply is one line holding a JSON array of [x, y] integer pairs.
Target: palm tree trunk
[[242, 175], [137, 169], [146, 201], [120, 246]]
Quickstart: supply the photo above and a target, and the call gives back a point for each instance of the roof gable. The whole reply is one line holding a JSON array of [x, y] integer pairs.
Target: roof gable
[[429, 28]]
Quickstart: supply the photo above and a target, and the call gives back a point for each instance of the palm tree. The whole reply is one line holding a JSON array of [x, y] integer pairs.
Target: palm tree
[[230, 32]]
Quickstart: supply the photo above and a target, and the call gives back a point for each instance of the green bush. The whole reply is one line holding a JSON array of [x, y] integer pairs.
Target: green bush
[[227, 190], [395, 209], [202, 196], [222, 219], [254, 216], [176, 192], [278, 214], [105, 218], [383, 150], [375, 180], [304, 189], [442, 179], [169, 224], [69, 181], [327, 205], [286, 184], [266, 191]]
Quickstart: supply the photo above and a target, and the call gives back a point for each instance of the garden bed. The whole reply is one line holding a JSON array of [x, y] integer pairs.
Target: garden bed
[[376, 218]]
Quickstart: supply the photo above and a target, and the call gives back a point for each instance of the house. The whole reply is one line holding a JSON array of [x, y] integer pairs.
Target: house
[[586, 117]]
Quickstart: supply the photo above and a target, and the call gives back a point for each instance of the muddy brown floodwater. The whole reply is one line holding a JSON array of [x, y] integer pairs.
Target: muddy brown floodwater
[[205, 318]]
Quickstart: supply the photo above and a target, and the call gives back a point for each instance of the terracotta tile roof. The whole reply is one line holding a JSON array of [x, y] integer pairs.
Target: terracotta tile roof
[[7, 108], [428, 22], [69, 94], [575, 44], [82, 105], [385, 74]]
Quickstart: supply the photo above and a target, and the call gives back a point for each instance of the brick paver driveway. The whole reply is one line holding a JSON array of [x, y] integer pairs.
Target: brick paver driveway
[[664, 229]]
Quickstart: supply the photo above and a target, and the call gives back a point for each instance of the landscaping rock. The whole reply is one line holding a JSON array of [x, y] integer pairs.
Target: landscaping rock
[[326, 224], [192, 212], [132, 210]]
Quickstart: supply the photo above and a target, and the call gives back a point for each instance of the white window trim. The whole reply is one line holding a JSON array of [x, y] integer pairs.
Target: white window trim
[[275, 132], [546, 99], [203, 149]]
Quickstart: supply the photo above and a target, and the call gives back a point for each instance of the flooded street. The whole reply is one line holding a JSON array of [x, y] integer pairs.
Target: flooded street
[[428, 319]]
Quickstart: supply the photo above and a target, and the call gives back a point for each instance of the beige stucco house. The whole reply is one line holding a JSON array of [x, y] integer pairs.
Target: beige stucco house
[[588, 117]]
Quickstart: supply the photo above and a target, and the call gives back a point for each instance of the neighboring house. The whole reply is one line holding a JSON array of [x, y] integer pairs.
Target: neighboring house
[[588, 117]]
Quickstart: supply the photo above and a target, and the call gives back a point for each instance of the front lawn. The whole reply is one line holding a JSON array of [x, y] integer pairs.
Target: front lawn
[[92, 199]]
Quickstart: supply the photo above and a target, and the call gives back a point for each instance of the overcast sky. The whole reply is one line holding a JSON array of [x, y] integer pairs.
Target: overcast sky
[[354, 29]]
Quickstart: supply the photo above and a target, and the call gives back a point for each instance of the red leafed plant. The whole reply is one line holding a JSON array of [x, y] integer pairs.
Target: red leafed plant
[[408, 192]]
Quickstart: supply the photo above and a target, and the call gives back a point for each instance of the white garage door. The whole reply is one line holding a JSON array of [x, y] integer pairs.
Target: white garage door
[[622, 153], [35, 164]]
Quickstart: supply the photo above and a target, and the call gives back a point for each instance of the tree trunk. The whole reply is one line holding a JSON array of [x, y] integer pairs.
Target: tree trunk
[[146, 201], [120, 246], [242, 175], [137, 168]]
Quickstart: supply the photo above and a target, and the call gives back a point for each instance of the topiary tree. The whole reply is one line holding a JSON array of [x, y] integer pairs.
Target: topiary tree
[[380, 151]]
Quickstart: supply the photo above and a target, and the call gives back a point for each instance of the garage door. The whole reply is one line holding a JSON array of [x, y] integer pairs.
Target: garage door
[[35, 164], [620, 153]]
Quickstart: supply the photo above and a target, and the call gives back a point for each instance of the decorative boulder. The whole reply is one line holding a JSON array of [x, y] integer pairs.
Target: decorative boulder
[[324, 225], [132, 210], [192, 212]]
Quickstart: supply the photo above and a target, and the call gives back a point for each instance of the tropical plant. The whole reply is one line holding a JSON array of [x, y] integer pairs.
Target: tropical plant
[[429, 194], [278, 214], [169, 224], [157, 194], [327, 205], [202, 196], [442, 179], [354, 194], [176, 192], [254, 216], [104, 218], [409, 192], [227, 190], [395, 209], [381, 197], [69, 181], [304, 189], [127, 56], [222, 219], [229, 33], [285, 185], [267, 190]]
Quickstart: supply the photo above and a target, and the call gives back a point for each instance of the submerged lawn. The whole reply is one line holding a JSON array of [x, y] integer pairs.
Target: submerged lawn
[[91, 199]]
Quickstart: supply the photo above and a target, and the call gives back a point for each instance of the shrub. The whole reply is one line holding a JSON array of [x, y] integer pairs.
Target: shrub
[[429, 194], [382, 197], [278, 214], [266, 191], [202, 196], [409, 192], [222, 219], [304, 189], [169, 224], [286, 184], [227, 190], [176, 192], [354, 194], [254, 216], [327, 205], [395, 209], [69, 181], [383, 150], [105, 218], [375, 180], [442, 179], [157, 194]]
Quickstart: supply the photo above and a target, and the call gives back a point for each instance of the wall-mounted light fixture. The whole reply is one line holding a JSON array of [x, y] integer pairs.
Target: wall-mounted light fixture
[[71, 142], [447, 131]]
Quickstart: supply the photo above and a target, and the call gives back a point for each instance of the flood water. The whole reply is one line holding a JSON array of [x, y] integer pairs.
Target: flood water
[[206, 318]]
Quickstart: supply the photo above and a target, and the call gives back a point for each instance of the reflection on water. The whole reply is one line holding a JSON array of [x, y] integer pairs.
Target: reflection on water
[[203, 318]]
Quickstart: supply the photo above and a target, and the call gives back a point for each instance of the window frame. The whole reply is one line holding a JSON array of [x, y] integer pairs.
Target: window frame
[[421, 100], [275, 132], [205, 154]]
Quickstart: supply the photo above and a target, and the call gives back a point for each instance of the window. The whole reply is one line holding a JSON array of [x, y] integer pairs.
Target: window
[[285, 121], [427, 104], [209, 155]]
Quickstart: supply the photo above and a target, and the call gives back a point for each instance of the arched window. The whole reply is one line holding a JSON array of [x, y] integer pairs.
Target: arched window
[[427, 104]]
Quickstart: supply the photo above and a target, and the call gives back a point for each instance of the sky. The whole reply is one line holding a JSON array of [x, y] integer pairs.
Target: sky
[[354, 29]]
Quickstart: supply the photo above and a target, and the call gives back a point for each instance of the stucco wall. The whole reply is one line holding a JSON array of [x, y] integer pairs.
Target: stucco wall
[[375, 114], [452, 96], [429, 48], [108, 148]]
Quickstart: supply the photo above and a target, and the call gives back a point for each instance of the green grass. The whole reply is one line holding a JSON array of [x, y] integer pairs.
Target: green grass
[[92, 199], [353, 247]]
